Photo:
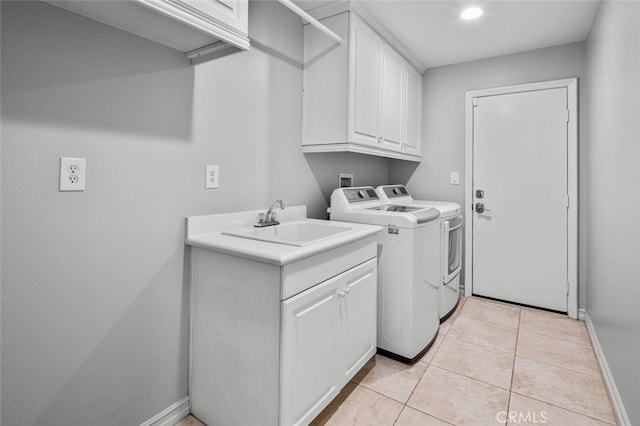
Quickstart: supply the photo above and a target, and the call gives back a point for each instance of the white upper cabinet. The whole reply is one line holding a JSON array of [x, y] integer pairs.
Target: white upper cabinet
[[361, 95], [365, 85], [413, 114], [200, 28], [392, 105], [230, 12]]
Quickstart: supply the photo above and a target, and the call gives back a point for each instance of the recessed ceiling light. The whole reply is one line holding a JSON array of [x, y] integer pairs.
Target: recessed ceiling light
[[471, 13]]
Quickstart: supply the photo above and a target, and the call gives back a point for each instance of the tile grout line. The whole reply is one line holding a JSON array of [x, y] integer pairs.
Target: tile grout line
[[406, 404], [510, 389], [564, 408], [421, 377], [460, 339], [545, 363], [483, 346], [491, 322], [425, 372], [457, 373], [486, 348], [513, 368], [599, 376], [556, 337]]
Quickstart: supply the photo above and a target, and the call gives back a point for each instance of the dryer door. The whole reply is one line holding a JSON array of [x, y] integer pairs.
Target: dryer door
[[452, 254]]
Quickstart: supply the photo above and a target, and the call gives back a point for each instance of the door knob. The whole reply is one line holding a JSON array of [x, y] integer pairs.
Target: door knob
[[480, 208]]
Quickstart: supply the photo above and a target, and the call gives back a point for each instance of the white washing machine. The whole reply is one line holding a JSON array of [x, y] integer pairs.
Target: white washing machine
[[451, 242], [408, 269]]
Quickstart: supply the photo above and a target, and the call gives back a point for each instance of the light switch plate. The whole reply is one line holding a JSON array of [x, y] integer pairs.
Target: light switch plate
[[455, 178], [212, 177]]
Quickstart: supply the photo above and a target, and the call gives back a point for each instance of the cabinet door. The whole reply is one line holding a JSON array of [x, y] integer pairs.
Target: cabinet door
[[413, 119], [358, 288], [310, 348], [365, 82], [392, 101], [231, 12]]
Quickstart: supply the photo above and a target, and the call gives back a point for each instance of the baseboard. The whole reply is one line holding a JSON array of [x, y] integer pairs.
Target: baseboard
[[582, 314], [614, 395], [171, 415]]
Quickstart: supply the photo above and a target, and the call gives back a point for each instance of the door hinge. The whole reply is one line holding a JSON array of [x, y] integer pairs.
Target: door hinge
[[568, 201], [474, 102], [568, 116], [567, 288]]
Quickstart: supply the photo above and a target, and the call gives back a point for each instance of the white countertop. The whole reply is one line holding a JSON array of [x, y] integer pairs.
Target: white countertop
[[206, 232]]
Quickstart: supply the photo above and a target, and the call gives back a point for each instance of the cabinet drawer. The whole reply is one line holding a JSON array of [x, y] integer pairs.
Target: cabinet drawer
[[304, 274]]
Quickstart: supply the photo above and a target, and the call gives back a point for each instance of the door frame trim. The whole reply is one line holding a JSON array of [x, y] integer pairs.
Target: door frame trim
[[571, 84]]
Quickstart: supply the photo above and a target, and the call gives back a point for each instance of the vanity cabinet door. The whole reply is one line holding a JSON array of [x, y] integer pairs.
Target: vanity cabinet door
[[358, 288], [328, 334], [310, 344]]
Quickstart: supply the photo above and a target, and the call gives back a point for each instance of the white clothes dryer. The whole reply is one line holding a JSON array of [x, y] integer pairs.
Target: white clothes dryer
[[450, 256], [408, 269]]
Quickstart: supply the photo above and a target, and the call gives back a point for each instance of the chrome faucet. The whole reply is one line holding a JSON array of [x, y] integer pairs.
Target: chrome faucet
[[269, 218]]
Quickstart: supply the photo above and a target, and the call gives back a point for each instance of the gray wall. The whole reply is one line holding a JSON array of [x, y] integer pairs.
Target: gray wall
[[1, 280], [614, 193], [443, 146], [95, 284]]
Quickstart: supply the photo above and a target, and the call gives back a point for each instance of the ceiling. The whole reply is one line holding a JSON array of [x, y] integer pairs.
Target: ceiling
[[434, 33]]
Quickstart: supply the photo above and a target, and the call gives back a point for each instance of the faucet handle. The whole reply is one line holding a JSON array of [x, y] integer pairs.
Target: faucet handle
[[273, 217], [262, 218]]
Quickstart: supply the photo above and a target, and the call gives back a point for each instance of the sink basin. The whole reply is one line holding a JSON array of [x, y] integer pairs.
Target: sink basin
[[294, 233]]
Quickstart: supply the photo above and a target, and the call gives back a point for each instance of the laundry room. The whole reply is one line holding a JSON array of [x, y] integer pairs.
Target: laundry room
[[139, 180]]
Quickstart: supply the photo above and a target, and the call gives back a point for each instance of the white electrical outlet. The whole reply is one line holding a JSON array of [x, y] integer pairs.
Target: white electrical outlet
[[212, 177], [72, 174]]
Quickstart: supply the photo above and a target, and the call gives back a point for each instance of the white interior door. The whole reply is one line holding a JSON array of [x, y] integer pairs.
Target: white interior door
[[520, 162]]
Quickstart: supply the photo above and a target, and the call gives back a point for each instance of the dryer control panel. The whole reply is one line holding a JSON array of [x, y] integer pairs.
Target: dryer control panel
[[357, 195], [395, 191]]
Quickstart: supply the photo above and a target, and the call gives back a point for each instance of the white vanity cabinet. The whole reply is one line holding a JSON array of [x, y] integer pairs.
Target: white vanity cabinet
[[200, 28], [328, 335], [360, 96], [273, 344]]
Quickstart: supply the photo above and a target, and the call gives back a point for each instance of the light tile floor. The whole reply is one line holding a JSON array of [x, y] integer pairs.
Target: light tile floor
[[189, 421], [492, 363]]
